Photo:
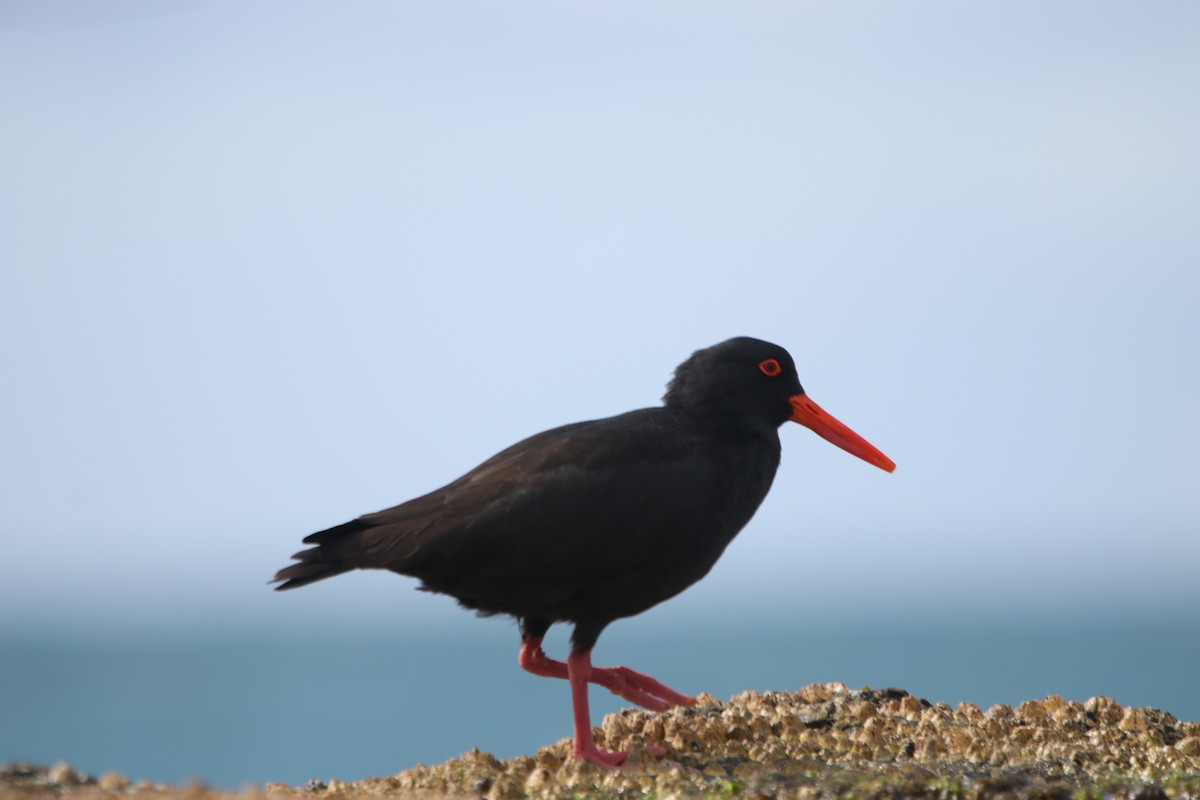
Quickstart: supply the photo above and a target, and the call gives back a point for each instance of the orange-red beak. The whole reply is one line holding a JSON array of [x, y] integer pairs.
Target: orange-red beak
[[811, 415]]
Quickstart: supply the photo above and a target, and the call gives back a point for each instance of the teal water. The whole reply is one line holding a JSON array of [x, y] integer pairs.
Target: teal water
[[237, 711]]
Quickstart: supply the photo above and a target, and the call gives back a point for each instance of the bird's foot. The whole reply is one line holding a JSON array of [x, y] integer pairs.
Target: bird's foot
[[581, 673], [638, 688], [613, 759]]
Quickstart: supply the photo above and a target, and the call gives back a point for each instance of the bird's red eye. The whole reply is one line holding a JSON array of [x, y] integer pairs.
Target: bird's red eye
[[770, 367]]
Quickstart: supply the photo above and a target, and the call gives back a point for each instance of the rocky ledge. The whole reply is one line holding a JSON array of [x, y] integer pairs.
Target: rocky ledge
[[823, 741]]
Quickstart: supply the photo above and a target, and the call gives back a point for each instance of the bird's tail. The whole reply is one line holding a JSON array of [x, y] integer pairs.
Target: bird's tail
[[328, 558]]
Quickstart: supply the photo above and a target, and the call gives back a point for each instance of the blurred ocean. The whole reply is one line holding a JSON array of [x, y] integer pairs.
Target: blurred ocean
[[249, 709]]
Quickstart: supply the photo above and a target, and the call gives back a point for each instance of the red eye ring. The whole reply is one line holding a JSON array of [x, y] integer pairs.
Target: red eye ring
[[770, 367]]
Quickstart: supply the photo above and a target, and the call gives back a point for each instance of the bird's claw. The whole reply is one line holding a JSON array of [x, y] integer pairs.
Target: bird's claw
[[638, 688], [614, 759], [611, 759]]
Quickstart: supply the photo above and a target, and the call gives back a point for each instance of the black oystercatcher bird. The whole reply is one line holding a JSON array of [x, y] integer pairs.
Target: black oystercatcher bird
[[600, 520]]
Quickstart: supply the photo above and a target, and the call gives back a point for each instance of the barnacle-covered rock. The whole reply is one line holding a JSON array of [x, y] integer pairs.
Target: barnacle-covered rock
[[821, 741]]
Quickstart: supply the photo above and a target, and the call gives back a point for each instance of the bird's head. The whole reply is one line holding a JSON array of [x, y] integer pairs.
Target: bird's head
[[753, 384]]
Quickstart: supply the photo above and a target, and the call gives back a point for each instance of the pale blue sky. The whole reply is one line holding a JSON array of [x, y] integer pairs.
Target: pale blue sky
[[268, 266]]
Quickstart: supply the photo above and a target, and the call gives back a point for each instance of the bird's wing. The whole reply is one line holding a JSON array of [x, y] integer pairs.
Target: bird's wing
[[574, 503]]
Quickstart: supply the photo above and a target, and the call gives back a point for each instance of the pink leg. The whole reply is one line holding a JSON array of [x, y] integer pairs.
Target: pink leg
[[621, 681], [533, 659], [579, 670]]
